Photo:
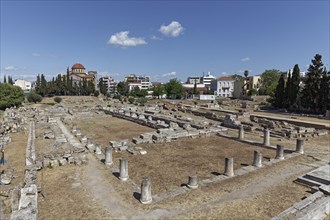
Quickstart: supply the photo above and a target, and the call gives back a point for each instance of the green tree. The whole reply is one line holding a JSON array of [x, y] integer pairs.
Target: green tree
[[294, 87], [287, 91], [269, 80], [10, 96], [159, 90], [4, 79], [43, 85], [174, 88], [103, 88], [310, 98], [137, 92], [252, 92], [57, 99], [122, 88], [278, 99], [34, 97], [324, 103]]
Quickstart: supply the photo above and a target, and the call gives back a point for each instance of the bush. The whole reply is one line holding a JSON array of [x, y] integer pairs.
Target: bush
[[131, 100], [142, 101], [96, 93], [58, 99], [34, 97], [10, 96]]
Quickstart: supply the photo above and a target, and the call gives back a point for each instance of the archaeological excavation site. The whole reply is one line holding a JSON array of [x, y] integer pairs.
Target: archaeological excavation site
[[99, 158]]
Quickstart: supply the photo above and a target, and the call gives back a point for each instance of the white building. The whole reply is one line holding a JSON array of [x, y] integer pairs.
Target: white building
[[143, 82], [25, 85], [110, 83], [223, 86], [208, 79]]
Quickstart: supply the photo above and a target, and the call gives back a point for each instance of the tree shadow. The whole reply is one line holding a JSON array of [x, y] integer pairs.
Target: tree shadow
[[216, 173], [244, 164]]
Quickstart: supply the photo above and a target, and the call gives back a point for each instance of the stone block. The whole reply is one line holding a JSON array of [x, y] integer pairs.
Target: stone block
[[62, 162], [53, 163]]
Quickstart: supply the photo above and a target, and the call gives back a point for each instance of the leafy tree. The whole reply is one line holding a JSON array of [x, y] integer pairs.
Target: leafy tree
[[34, 97], [137, 92], [131, 100], [159, 90], [174, 88], [122, 88], [103, 88], [269, 80], [10, 96], [278, 100], [294, 87], [4, 79], [310, 98], [324, 103], [246, 73], [43, 85]]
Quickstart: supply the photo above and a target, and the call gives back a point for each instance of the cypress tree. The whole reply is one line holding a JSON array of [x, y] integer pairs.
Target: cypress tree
[[37, 87], [4, 79], [324, 103], [294, 86], [278, 100], [287, 102], [311, 93], [43, 85]]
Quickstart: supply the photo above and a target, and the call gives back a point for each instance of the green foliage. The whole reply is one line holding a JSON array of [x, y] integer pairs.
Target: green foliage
[[58, 99], [103, 88], [159, 90], [10, 96], [310, 98], [278, 100], [34, 97], [122, 88], [252, 92], [269, 80], [286, 101], [142, 100], [294, 87], [137, 92], [96, 93], [324, 102], [131, 100], [174, 88]]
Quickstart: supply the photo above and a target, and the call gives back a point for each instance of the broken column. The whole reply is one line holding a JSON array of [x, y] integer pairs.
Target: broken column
[[146, 191], [279, 152], [192, 183], [300, 146], [98, 149], [257, 159], [108, 156], [266, 137], [90, 144], [241, 133], [229, 166], [123, 175]]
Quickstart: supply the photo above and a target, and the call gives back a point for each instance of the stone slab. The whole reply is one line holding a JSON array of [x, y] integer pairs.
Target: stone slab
[[321, 175]]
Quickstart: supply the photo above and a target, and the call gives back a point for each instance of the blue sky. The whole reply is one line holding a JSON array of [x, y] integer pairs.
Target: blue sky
[[161, 39]]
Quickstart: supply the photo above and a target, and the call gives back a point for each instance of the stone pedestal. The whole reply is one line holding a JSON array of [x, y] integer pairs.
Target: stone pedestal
[[78, 133], [241, 133], [123, 175], [146, 191], [266, 137], [192, 184], [257, 159], [98, 149], [229, 166], [279, 152], [108, 156], [74, 129], [300, 146]]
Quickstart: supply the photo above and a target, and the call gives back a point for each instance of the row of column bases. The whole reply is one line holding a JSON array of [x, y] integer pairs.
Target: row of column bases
[[146, 197]]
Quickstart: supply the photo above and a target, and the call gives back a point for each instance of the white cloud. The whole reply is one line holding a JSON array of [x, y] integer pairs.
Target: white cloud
[[155, 38], [36, 54], [11, 68], [245, 59], [171, 74], [224, 73], [174, 29], [122, 39]]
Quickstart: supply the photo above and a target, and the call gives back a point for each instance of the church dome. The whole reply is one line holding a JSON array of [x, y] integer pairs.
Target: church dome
[[77, 66]]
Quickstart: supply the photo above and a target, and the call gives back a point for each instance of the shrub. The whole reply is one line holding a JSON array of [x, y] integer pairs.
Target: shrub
[[10, 96], [34, 97], [131, 100], [58, 99], [96, 93], [142, 101]]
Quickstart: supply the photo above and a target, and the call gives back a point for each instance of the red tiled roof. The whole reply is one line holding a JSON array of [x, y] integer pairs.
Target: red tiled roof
[[225, 78], [77, 66]]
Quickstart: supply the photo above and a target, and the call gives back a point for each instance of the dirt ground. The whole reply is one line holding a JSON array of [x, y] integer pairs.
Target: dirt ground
[[106, 128]]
